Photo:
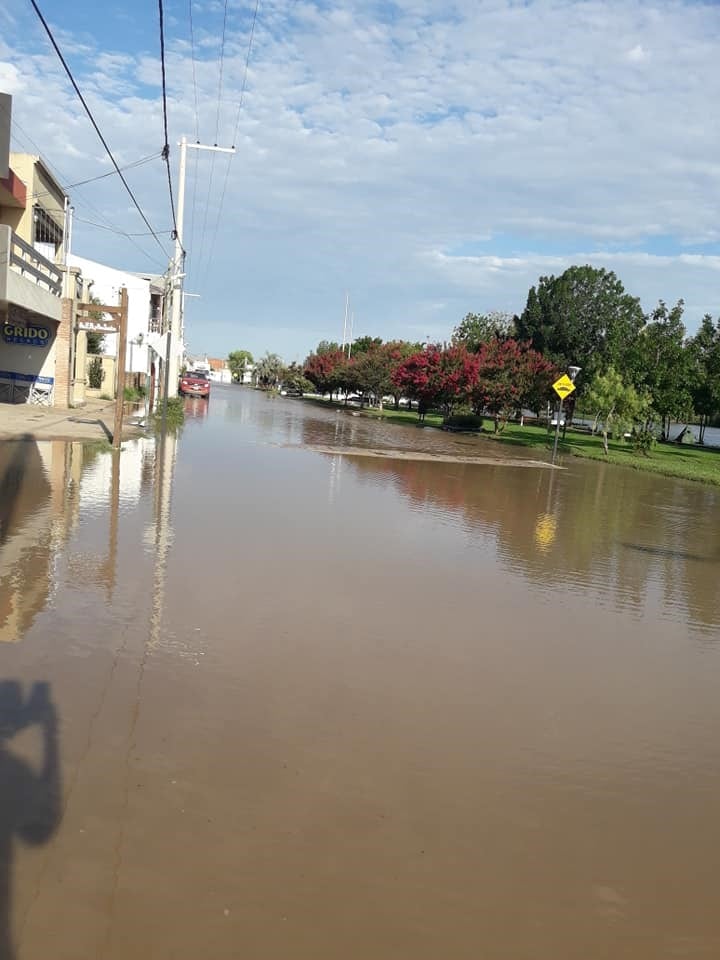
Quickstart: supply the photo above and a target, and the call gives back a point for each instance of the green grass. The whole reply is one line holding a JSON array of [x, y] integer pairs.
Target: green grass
[[684, 461]]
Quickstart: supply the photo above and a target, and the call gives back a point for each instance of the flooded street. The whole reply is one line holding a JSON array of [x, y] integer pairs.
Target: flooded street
[[267, 701]]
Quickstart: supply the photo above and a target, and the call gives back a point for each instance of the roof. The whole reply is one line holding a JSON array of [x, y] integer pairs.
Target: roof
[[216, 364]]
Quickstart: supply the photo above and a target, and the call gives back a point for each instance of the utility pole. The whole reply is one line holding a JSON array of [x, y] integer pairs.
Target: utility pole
[[347, 304], [176, 269]]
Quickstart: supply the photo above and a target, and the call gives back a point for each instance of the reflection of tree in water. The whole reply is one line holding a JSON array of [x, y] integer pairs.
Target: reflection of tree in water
[[611, 531], [29, 800]]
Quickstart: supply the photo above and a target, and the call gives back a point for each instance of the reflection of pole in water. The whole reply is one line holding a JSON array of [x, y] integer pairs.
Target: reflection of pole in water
[[166, 453], [335, 466], [546, 523], [334, 477], [114, 510]]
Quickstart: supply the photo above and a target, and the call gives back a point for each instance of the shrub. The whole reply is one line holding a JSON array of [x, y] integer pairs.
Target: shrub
[[463, 421], [175, 414], [642, 440], [96, 374]]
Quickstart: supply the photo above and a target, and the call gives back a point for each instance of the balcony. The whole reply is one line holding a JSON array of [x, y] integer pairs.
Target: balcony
[[27, 279]]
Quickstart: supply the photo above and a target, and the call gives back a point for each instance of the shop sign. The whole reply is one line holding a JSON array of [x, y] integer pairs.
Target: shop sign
[[30, 336]]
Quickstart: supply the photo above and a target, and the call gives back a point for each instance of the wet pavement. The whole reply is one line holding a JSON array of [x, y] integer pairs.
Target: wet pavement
[[263, 700]]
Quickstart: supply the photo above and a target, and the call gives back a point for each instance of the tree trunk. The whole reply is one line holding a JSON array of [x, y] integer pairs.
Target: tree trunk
[[605, 439]]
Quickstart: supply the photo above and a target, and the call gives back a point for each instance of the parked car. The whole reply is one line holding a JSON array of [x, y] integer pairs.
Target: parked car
[[195, 384]]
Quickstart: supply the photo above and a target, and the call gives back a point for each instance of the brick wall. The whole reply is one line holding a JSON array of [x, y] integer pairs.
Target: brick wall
[[64, 355]]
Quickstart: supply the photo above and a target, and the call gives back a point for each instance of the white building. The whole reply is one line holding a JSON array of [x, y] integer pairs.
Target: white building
[[144, 307], [216, 369]]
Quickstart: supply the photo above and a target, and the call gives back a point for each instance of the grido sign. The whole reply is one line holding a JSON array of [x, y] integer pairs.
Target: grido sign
[[31, 336]]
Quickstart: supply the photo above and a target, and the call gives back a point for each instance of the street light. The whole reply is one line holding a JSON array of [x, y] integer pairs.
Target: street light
[[572, 373]]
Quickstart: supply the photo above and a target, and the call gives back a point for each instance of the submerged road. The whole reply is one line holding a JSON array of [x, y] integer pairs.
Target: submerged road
[[264, 700]]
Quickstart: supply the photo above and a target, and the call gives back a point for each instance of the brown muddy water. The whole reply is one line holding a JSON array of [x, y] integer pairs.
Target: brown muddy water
[[268, 702]]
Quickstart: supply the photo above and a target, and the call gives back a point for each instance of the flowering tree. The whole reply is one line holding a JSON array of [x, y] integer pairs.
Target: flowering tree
[[437, 376], [321, 369], [510, 374]]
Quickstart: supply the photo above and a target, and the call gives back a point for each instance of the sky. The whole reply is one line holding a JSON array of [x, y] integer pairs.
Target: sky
[[426, 157]]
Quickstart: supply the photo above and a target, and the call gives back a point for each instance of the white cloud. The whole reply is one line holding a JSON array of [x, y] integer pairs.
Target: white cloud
[[369, 140], [636, 54]]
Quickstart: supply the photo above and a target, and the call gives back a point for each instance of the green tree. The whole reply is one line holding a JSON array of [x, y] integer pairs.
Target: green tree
[[239, 361], [365, 345], [293, 378], [95, 340], [616, 405], [705, 372], [268, 371], [327, 346], [663, 364], [373, 370], [475, 329], [582, 317]]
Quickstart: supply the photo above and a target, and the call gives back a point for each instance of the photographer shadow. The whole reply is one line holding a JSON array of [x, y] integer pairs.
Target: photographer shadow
[[30, 807]]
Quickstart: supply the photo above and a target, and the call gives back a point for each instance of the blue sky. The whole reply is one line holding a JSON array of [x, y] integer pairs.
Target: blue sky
[[431, 158]]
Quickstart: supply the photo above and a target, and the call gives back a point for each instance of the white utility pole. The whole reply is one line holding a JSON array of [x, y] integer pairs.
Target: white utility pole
[[347, 304], [177, 273]]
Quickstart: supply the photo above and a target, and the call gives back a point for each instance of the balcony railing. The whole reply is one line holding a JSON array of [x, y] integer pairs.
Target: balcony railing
[[156, 323], [32, 265]]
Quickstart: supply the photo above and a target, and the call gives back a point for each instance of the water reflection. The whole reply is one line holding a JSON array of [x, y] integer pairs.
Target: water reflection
[[39, 509], [161, 535], [618, 535]]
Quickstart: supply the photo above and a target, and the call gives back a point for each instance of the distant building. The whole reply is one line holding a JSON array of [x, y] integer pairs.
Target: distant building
[[217, 370]]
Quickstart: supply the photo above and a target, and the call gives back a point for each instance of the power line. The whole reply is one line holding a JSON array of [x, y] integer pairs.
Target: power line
[[220, 74], [191, 234], [235, 136], [166, 147], [245, 75], [104, 142], [120, 233], [217, 135], [102, 176], [60, 177], [194, 74]]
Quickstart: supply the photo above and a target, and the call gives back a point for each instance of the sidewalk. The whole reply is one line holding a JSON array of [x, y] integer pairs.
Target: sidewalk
[[94, 421]]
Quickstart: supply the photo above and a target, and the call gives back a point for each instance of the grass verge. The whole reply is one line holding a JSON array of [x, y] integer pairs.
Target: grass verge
[[683, 461]]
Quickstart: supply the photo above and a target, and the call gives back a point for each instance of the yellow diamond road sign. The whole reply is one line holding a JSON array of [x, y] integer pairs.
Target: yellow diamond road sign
[[564, 386]]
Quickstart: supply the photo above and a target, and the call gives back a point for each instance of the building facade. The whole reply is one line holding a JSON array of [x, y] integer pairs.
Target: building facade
[[32, 232]]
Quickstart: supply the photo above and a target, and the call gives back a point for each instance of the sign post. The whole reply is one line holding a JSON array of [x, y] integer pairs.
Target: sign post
[[122, 347], [90, 319], [563, 387]]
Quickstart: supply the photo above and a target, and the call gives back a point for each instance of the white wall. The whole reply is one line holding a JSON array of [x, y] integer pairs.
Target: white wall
[[107, 283]]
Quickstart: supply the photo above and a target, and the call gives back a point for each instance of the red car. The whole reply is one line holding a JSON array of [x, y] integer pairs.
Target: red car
[[195, 384]]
